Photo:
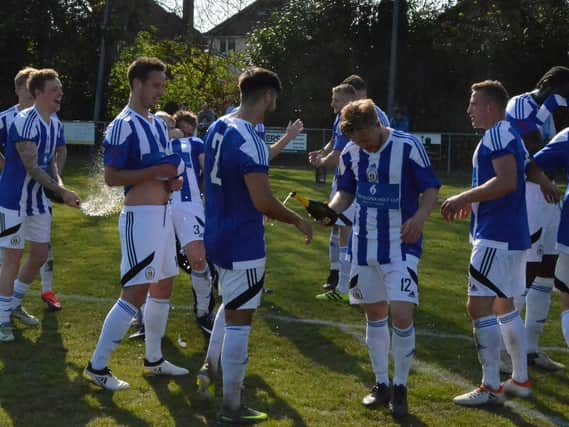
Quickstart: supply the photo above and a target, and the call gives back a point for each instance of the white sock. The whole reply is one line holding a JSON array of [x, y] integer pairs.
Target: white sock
[[46, 272], [564, 325], [216, 340], [345, 266], [333, 249], [377, 341], [5, 309], [201, 285], [20, 291], [234, 364], [403, 349], [114, 329], [155, 320], [514, 338], [487, 338], [538, 301]]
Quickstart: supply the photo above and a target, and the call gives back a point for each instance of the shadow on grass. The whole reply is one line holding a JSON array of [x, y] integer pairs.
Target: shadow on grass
[[179, 394], [312, 343], [36, 387]]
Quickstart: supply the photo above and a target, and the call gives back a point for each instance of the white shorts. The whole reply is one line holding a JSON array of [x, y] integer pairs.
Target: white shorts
[[562, 273], [543, 221], [349, 213], [148, 244], [397, 281], [16, 229], [497, 272], [189, 223], [241, 289]]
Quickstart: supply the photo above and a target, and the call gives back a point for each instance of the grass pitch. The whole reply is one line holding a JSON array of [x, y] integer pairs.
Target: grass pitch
[[302, 373]]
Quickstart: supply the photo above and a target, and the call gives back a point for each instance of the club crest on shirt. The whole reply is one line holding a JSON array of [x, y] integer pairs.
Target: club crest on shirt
[[371, 173], [15, 241]]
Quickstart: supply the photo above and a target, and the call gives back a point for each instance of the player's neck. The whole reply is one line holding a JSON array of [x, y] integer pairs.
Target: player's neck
[[540, 95], [44, 113], [22, 105], [251, 113], [137, 106]]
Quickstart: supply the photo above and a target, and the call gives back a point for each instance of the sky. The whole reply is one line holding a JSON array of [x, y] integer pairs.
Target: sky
[[208, 13]]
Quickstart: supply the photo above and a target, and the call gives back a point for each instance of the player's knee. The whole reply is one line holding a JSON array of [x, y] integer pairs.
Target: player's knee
[[547, 266], [402, 316], [476, 309], [38, 255], [198, 264], [12, 256], [195, 252]]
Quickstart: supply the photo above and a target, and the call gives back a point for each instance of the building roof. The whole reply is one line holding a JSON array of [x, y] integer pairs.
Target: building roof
[[248, 19]]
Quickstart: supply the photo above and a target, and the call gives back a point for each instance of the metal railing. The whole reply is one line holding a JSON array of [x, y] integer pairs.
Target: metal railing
[[453, 154]]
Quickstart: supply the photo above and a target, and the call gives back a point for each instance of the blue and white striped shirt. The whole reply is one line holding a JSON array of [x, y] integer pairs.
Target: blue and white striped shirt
[[134, 142], [386, 185], [552, 158], [6, 119], [18, 191], [501, 223], [188, 149]]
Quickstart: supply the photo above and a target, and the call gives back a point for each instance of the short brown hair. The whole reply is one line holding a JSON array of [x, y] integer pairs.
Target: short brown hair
[[356, 81], [141, 67], [37, 79], [358, 115], [185, 116], [494, 92], [345, 89], [255, 81], [23, 76]]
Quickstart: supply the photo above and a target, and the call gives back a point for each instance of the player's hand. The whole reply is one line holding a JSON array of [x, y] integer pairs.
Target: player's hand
[[175, 184], [313, 155], [71, 199], [294, 129], [412, 230], [455, 208], [316, 161], [164, 171], [550, 192], [306, 229]]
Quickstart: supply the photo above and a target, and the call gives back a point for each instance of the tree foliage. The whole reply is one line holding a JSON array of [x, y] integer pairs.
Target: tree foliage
[[60, 34], [195, 76], [443, 48]]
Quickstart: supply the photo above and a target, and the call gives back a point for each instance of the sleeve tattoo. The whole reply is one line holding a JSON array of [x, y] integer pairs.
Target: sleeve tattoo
[[29, 154]]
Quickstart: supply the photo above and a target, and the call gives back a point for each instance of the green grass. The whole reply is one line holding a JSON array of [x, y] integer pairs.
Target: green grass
[[302, 374]]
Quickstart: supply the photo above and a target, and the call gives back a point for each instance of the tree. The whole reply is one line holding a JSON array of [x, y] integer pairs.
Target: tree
[[195, 76]]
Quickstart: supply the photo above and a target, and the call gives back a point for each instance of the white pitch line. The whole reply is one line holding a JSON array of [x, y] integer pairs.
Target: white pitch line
[[318, 322], [447, 377], [441, 374]]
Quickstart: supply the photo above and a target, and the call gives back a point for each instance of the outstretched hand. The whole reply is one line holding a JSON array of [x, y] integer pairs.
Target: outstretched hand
[[455, 208]]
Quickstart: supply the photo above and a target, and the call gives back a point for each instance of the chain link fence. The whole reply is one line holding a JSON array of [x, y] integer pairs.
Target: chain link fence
[[453, 154]]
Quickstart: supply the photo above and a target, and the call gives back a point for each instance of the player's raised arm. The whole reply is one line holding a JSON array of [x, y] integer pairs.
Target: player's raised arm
[[293, 129]]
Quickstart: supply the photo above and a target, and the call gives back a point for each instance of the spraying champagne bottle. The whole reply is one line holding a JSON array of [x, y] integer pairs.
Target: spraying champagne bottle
[[320, 211]]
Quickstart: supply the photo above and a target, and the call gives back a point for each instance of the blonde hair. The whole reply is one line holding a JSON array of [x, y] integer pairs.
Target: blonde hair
[[23, 76], [186, 116], [37, 79], [358, 115], [493, 91], [345, 89]]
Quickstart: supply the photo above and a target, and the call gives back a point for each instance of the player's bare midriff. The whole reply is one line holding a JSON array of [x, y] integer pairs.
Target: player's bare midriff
[[153, 192]]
